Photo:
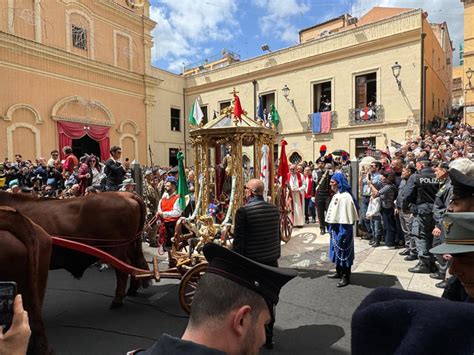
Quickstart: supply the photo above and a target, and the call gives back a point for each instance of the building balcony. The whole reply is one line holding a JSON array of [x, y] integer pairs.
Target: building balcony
[[366, 115], [333, 123]]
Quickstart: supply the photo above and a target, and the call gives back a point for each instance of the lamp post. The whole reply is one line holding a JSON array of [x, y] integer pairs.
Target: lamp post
[[286, 93], [396, 68]]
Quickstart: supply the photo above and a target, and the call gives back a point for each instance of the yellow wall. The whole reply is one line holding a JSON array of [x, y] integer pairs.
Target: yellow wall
[[469, 58], [169, 94], [458, 86], [337, 58], [438, 75], [313, 33], [39, 68]]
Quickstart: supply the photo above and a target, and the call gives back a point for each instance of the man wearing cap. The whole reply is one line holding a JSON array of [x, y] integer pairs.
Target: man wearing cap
[[443, 196], [461, 174], [234, 301], [169, 210], [257, 232], [459, 243], [421, 191], [128, 185]]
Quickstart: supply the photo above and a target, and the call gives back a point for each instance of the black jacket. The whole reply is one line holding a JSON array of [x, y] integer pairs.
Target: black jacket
[[257, 231], [115, 172], [421, 190]]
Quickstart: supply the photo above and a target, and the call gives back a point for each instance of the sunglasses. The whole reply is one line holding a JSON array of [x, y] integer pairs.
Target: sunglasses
[[93, 161]]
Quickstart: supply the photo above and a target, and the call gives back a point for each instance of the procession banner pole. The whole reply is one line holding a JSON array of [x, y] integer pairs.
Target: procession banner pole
[[355, 183]]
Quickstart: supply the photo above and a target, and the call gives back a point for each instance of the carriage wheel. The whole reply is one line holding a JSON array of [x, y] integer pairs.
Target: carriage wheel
[[188, 285], [286, 226]]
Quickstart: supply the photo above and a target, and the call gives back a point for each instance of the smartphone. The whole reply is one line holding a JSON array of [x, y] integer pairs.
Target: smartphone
[[7, 296]]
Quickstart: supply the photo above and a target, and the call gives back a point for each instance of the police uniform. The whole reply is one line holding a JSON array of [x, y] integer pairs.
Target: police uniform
[[443, 196], [266, 281], [421, 190], [322, 193], [458, 230]]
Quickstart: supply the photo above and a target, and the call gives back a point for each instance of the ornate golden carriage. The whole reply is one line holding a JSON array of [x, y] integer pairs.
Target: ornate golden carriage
[[236, 147]]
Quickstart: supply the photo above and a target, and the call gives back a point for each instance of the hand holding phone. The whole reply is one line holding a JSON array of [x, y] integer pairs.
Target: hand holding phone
[[7, 297], [15, 340]]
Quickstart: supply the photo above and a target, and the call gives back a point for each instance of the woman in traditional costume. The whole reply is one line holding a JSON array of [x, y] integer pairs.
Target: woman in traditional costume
[[340, 217]]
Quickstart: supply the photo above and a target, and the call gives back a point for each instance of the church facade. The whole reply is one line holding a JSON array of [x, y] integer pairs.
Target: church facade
[[75, 74]]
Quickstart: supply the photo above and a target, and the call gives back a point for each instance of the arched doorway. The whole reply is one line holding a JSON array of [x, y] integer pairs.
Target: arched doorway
[[85, 145]]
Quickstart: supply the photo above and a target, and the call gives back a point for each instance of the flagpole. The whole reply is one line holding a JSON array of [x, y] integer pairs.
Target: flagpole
[[254, 82], [184, 127]]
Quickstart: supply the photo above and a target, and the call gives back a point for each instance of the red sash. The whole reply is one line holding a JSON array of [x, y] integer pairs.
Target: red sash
[[167, 205], [309, 187], [300, 183]]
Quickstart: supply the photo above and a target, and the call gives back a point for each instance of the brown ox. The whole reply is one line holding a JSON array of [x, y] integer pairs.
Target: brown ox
[[110, 221], [25, 251]]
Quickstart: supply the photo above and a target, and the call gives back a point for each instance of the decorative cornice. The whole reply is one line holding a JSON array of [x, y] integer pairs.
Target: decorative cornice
[[309, 61], [13, 108], [60, 56], [82, 120], [130, 122]]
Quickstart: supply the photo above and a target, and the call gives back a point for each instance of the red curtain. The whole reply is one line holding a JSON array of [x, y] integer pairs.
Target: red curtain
[[70, 130]]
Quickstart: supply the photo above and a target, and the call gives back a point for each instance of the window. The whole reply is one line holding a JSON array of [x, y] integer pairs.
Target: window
[[365, 90], [173, 156], [205, 118], [79, 37], [267, 101], [295, 158], [322, 97], [432, 101], [439, 106], [365, 146], [175, 119], [224, 105]]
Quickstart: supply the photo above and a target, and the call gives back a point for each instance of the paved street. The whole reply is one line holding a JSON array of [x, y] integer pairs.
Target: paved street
[[313, 316]]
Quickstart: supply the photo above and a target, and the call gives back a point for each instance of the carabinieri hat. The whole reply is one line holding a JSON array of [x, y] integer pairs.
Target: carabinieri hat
[[265, 280], [459, 233], [463, 185]]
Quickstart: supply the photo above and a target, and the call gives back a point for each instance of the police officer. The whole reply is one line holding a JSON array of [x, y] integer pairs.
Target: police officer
[[322, 190], [234, 301], [421, 190], [443, 197]]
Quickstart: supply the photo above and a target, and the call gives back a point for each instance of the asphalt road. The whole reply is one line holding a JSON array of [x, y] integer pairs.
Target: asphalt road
[[313, 316]]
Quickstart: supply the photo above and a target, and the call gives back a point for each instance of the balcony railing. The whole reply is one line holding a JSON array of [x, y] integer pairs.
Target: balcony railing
[[309, 125], [366, 115]]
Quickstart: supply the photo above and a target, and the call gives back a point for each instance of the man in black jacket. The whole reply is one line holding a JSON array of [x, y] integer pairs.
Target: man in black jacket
[[114, 170], [257, 233], [421, 191]]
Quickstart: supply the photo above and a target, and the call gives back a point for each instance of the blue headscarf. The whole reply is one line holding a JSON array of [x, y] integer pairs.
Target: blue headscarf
[[343, 186]]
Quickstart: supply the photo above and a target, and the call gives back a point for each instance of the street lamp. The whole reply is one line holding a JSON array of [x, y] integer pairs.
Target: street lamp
[[396, 68], [286, 93], [469, 76]]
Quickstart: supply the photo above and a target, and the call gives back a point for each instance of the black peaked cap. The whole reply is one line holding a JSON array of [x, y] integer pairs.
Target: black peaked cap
[[262, 279]]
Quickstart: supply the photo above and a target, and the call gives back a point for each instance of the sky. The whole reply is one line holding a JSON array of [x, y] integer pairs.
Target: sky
[[189, 31]]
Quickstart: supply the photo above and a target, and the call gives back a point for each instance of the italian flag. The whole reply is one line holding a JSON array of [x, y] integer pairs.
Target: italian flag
[[195, 115]]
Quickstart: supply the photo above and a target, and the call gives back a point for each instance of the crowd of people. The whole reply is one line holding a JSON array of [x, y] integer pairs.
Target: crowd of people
[[403, 193]]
